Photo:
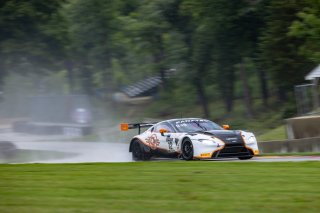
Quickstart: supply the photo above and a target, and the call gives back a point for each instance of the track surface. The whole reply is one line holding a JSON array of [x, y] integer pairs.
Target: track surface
[[83, 152]]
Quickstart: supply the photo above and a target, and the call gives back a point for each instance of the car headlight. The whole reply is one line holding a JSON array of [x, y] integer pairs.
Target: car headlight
[[251, 140], [210, 142], [201, 140]]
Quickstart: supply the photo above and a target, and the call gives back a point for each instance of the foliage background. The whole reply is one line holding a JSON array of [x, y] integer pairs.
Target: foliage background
[[233, 59]]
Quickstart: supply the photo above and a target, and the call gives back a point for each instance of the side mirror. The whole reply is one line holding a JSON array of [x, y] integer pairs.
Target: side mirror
[[162, 131], [226, 127]]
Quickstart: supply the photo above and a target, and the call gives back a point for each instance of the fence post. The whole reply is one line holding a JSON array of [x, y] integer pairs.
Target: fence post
[[315, 82]]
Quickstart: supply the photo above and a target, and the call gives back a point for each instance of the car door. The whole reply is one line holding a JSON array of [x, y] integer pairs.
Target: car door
[[167, 141]]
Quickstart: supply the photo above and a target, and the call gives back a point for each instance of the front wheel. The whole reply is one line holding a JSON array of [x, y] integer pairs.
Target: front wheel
[[138, 153], [187, 149]]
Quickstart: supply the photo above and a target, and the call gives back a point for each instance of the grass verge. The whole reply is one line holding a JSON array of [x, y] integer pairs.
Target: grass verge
[[278, 133], [161, 187], [292, 154]]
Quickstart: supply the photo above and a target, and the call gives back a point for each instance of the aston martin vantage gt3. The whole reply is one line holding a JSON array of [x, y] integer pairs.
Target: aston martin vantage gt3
[[190, 138]]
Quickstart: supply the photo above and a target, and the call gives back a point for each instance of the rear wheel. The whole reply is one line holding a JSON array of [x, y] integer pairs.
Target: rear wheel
[[138, 153], [245, 158], [187, 149]]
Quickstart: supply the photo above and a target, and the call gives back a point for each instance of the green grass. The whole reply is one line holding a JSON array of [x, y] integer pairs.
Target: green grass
[[161, 187], [292, 154], [278, 133]]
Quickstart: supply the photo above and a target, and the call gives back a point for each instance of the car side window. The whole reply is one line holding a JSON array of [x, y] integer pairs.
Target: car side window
[[163, 126]]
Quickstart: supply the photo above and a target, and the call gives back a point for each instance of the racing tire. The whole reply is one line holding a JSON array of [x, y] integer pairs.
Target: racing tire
[[138, 153], [187, 149], [245, 157]]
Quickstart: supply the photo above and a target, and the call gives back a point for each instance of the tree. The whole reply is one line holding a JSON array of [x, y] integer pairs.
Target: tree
[[279, 55], [225, 37], [91, 39], [307, 28], [151, 32], [31, 37]]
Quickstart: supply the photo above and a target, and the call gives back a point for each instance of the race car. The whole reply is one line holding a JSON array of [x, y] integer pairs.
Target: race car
[[190, 138]]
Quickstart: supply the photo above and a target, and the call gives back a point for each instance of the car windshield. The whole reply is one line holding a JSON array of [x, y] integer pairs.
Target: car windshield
[[194, 125]]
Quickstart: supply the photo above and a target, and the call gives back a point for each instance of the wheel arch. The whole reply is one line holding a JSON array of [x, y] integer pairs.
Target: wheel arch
[[146, 148], [131, 142], [183, 139], [186, 138]]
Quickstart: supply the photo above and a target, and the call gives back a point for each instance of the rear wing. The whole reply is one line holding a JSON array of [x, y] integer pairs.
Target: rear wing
[[126, 126]]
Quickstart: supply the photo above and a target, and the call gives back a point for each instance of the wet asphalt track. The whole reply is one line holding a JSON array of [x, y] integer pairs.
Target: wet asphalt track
[[84, 152]]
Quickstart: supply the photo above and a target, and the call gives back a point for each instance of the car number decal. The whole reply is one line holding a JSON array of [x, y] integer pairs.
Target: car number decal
[[170, 141]]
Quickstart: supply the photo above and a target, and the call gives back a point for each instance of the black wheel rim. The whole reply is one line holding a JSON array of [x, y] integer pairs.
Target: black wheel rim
[[187, 149]]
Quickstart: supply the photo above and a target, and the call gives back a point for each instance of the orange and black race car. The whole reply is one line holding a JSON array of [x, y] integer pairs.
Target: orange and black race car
[[190, 138]]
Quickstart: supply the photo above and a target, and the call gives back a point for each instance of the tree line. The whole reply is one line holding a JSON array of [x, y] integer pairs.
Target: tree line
[[211, 43]]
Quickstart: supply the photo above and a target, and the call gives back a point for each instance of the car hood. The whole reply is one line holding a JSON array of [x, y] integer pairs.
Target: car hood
[[231, 137]]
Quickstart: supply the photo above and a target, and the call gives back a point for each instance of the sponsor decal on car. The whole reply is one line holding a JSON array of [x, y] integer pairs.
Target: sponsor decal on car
[[233, 140], [205, 155], [153, 141]]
